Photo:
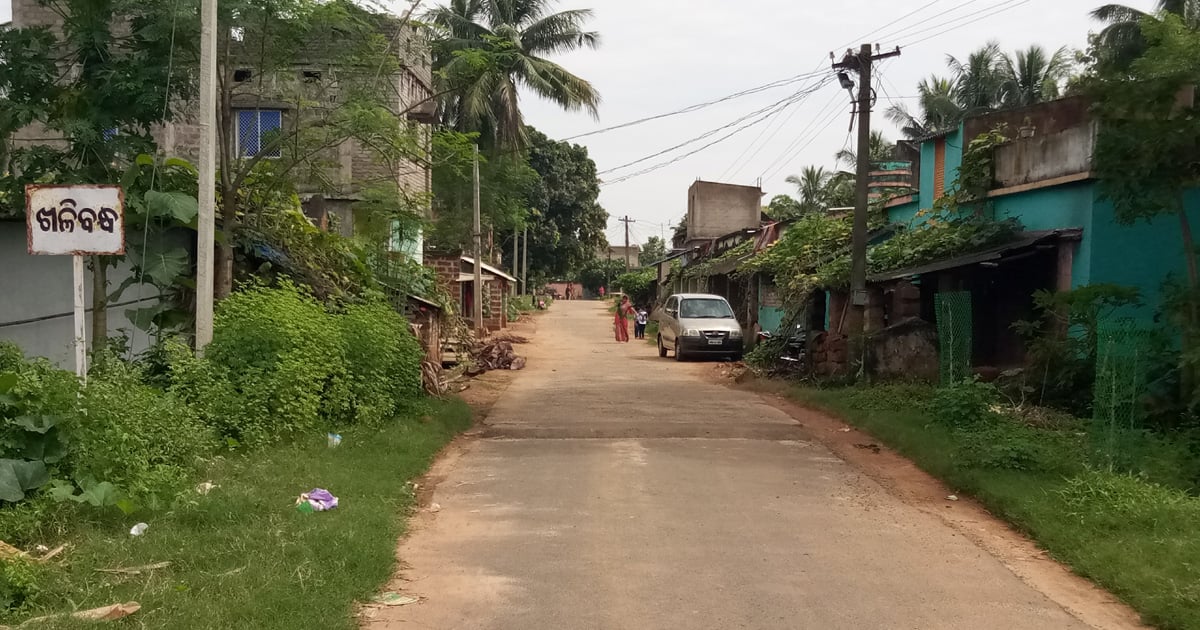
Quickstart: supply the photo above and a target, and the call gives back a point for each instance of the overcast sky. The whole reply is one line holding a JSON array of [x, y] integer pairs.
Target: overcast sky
[[658, 56]]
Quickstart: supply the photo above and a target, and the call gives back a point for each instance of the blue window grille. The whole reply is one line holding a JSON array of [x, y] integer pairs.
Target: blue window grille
[[256, 129]]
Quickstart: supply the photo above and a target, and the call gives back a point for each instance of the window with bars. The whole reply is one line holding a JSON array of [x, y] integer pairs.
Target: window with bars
[[256, 129]]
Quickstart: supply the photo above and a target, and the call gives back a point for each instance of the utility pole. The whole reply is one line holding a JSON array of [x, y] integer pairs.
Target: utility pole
[[205, 229], [525, 275], [478, 294], [626, 221], [516, 262], [861, 63]]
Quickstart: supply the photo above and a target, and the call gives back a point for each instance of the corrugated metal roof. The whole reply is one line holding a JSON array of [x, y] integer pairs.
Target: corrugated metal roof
[[997, 252]]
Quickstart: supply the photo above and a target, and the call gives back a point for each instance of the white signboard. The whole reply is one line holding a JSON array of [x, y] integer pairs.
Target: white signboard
[[75, 220]]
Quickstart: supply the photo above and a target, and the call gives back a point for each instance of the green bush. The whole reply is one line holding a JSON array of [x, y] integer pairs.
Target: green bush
[[1002, 444], [1107, 500], [966, 403], [280, 354], [143, 440], [383, 361], [18, 583]]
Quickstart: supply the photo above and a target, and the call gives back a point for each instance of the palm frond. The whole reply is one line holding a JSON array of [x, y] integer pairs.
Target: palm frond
[[560, 32], [554, 83]]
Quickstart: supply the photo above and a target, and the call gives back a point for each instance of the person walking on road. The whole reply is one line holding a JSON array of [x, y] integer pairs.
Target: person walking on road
[[621, 320], [601, 292], [639, 323]]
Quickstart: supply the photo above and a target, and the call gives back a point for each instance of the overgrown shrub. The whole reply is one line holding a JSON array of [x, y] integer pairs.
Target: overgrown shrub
[[383, 361], [1107, 500], [145, 441], [18, 583], [967, 403], [1002, 444], [279, 353]]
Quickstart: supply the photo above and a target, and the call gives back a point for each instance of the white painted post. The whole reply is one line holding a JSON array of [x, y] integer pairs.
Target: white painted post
[[205, 229], [80, 318]]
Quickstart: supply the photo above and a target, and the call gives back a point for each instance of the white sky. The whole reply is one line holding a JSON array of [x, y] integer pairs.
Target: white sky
[[658, 56]]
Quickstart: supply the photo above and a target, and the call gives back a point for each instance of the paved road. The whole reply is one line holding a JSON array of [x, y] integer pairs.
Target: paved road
[[617, 490]]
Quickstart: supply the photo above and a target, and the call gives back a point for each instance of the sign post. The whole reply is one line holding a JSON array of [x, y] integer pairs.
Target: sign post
[[76, 221]]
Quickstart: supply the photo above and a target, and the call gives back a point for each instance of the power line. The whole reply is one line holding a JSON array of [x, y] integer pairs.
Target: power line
[[691, 108], [904, 31], [686, 155], [787, 151], [766, 130], [896, 21], [1000, 10], [959, 21], [770, 109], [824, 124]]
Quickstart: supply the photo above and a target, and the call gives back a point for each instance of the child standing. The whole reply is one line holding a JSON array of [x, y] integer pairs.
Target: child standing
[[639, 323]]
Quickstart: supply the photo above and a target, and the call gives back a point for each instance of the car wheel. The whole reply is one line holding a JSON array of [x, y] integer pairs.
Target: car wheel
[[735, 357], [678, 351], [662, 350]]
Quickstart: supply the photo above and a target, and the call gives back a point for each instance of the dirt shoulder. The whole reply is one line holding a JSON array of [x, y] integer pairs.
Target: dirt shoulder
[[901, 477]]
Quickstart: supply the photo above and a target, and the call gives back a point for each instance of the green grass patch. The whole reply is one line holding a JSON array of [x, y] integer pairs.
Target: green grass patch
[[242, 556], [1131, 531], [652, 333]]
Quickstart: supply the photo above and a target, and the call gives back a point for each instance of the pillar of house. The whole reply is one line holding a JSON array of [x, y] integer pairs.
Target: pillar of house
[[875, 317], [838, 303], [906, 301], [494, 318]]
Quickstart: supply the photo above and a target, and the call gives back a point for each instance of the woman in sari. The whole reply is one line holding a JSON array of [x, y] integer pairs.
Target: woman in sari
[[621, 320]]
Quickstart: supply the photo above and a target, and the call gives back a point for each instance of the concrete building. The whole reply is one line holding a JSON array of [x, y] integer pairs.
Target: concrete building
[[715, 210], [39, 318], [629, 255]]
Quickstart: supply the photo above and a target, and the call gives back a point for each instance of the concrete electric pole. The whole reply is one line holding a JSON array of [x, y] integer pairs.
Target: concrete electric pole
[[478, 294], [861, 63], [205, 228], [626, 221]]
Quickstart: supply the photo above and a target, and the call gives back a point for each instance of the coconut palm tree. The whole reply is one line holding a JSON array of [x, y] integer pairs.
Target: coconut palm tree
[[1121, 41], [485, 51], [880, 150], [810, 185], [938, 109], [1033, 76], [978, 79]]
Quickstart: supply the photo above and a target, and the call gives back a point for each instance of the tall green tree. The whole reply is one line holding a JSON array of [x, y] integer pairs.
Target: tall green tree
[[1122, 40], [810, 187], [486, 51], [1147, 153], [879, 148], [262, 47], [567, 223], [978, 79], [937, 106], [1033, 75], [103, 110], [653, 251]]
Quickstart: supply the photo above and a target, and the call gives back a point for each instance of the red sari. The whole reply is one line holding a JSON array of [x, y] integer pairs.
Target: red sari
[[621, 322]]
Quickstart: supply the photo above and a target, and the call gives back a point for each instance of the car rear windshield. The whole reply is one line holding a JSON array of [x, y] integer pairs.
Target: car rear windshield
[[705, 308]]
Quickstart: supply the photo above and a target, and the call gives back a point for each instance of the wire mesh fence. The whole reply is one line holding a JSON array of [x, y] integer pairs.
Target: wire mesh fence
[[954, 335], [1122, 358]]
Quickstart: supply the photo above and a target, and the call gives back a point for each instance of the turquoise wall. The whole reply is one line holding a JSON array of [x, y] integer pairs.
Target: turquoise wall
[[769, 317], [1143, 255], [1066, 206], [904, 213]]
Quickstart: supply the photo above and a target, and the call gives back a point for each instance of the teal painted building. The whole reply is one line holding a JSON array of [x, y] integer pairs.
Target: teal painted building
[[1043, 179]]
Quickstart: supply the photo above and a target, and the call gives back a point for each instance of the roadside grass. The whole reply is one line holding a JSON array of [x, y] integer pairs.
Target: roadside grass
[[1133, 534], [242, 556], [652, 333]]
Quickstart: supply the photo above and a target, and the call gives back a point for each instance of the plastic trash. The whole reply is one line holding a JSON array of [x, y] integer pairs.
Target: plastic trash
[[205, 488], [139, 529], [395, 599], [335, 439], [952, 498], [318, 500]]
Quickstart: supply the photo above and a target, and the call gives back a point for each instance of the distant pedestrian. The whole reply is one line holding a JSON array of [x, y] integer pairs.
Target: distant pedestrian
[[601, 293], [621, 319], [639, 323], [570, 291]]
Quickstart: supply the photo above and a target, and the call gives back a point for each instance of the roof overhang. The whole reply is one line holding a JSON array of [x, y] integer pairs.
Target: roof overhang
[[996, 253], [488, 268]]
